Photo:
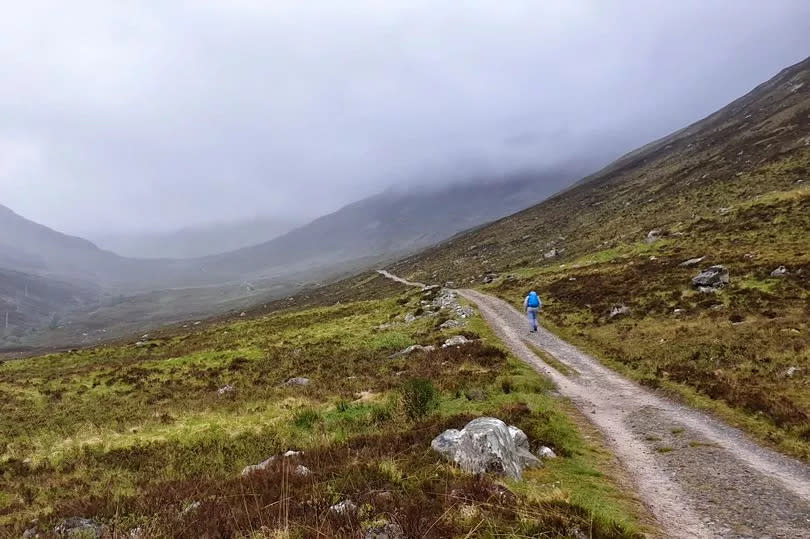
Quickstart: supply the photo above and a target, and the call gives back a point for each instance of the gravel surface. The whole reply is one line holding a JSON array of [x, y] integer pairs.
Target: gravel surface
[[700, 477]]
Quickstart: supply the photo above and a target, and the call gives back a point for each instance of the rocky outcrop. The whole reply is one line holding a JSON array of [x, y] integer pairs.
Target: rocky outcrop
[[711, 279], [781, 271], [390, 530], [344, 508], [487, 444]]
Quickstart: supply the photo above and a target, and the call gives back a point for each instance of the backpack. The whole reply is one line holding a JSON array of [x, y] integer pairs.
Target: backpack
[[534, 301]]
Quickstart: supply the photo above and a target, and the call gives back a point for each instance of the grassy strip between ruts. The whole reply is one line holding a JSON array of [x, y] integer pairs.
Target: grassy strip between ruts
[[139, 439]]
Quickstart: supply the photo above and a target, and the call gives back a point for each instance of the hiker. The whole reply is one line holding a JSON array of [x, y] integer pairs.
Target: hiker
[[532, 304]]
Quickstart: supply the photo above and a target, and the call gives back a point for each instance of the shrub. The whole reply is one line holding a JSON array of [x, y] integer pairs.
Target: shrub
[[507, 385], [419, 398], [306, 418]]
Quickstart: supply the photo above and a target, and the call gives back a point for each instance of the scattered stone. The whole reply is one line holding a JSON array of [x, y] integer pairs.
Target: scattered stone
[[79, 527], [458, 340], [619, 310], [450, 324], [490, 277], [302, 471], [791, 371], [346, 507], [243, 314], [487, 444], [723, 211], [247, 470], [711, 279], [31, 533], [226, 389], [553, 253], [413, 348], [679, 311], [192, 507], [781, 271], [410, 318], [291, 453], [653, 236], [692, 262], [297, 381], [546, 453], [390, 530]]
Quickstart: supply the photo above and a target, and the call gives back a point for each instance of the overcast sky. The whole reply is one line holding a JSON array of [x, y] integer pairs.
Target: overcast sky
[[117, 116]]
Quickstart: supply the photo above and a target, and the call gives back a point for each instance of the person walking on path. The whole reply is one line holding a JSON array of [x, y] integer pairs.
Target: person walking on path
[[532, 304]]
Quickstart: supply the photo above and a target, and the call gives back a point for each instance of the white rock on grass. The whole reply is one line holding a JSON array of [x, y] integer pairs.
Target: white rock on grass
[[414, 348], [344, 508], [458, 340], [247, 470], [546, 453], [224, 390], [297, 381], [781, 271], [692, 262], [302, 471], [487, 444]]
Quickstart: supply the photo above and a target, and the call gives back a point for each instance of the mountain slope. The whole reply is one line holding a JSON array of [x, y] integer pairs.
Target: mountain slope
[[607, 256], [388, 224]]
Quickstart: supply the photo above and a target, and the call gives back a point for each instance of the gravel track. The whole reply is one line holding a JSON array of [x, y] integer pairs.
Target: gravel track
[[700, 477]]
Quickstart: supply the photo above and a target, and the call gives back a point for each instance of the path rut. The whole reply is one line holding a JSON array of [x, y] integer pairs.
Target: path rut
[[700, 477]]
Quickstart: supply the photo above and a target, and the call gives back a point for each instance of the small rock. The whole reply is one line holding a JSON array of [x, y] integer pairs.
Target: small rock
[[224, 390], [79, 527], [297, 381], [712, 278], [450, 324], [458, 340], [344, 508], [291, 453], [546, 453], [791, 371], [413, 348], [553, 253], [653, 236], [410, 318], [243, 313], [302, 471], [490, 277], [781, 271], [619, 310], [31, 533], [679, 311], [390, 530], [247, 470], [692, 262], [190, 508]]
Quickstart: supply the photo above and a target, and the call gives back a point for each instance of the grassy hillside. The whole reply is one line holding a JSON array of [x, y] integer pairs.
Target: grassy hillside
[[733, 189], [138, 437]]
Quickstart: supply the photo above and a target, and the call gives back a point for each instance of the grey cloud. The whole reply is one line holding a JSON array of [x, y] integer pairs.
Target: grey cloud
[[122, 117]]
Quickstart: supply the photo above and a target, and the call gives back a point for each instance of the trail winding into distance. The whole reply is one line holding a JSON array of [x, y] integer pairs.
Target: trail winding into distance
[[700, 477]]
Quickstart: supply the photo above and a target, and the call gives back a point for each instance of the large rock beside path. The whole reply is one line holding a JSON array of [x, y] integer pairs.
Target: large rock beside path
[[487, 444]]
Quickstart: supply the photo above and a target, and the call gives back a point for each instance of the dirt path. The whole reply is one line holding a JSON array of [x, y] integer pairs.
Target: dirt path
[[700, 477], [400, 279]]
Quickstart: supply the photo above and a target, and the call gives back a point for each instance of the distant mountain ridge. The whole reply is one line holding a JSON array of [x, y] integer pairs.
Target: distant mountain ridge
[[197, 241]]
